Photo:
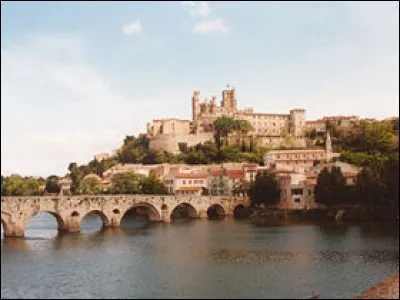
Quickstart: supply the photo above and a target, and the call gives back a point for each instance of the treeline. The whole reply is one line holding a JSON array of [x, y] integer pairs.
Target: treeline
[[122, 183], [374, 146], [16, 185]]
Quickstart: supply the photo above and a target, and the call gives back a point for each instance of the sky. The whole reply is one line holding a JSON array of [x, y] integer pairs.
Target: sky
[[77, 77]]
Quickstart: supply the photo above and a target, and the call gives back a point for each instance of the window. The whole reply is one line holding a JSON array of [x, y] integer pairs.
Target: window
[[184, 181], [190, 182], [297, 191], [296, 200]]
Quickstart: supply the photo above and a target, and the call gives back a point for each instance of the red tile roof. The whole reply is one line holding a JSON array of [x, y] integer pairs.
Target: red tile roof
[[190, 175], [235, 174], [217, 172]]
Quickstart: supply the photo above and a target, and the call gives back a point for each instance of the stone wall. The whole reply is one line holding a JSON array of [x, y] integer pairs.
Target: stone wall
[[170, 142]]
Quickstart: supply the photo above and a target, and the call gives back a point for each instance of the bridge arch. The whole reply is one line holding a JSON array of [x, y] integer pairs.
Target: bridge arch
[[184, 210], [216, 211], [105, 220], [61, 224], [153, 213], [5, 226], [241, 211]]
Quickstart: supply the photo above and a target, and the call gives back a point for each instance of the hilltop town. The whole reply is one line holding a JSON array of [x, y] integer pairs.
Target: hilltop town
[[181, 157]]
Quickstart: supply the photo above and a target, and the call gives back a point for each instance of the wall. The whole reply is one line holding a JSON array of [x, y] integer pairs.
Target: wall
[[170, 143]]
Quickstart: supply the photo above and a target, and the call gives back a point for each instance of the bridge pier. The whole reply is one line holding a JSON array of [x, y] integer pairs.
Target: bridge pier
[[13, 230], [72, 224], [203, 215]]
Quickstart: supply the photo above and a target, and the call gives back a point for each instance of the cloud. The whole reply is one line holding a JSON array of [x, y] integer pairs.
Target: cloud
[[197, 8], [211, 26], [56, 108], [133, 28]]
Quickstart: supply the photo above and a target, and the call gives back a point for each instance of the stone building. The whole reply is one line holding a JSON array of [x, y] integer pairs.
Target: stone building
[[303, 159], [342, 122], [101, 156], [270, 130]]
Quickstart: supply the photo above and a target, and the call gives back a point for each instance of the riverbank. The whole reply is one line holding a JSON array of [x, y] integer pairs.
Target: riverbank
[[387, 289], [355, 214]]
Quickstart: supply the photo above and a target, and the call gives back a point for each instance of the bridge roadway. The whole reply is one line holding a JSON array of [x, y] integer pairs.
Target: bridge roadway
[[70, 210]]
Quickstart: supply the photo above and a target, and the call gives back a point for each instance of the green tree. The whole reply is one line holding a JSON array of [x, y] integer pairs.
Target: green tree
[[76, 174], [126, 183], [229, 154], [223, 126], [265, 189], [151, 185], [331, 187], [390, 179], [369, 188], [375, 161], [15, 185], [52, 185], [90, 186]]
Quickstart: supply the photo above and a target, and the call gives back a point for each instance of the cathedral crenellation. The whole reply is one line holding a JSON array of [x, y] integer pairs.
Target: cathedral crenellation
[[270, 129]]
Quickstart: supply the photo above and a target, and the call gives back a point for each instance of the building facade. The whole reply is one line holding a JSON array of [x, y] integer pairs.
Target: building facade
[[270, 130]]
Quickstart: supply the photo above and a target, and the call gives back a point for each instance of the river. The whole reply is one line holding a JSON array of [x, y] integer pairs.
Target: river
[[196, 259]]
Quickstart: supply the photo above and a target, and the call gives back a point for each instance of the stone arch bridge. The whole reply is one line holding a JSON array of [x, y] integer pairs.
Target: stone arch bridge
[[69, 211]]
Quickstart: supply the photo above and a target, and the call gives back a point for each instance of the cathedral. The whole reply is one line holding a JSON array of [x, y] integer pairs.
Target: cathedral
[[270, 130]]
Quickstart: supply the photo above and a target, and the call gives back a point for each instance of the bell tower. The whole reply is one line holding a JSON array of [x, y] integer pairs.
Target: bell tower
[[229, 99]]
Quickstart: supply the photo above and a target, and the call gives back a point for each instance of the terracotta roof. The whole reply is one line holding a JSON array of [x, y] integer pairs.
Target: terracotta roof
[[190, 175], [189, 188], [297, 151], [217, 172], [228, 173], [235, 174]]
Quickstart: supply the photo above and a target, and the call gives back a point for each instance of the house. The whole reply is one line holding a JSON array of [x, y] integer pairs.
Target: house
[[186, 183]]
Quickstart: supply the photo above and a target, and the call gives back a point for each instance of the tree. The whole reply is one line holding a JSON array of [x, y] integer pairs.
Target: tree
[[375, 161], [219, 186], [242, 189], [76, 174], [265, 189], [223, 126], [52, 185], [331, 187], [133, 149], [229, 154], [369, 188], [151, 185], [90, 186], [390, 177], [15, 185], [126, 183]]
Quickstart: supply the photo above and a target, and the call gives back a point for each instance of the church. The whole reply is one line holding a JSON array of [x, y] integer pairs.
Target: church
[[270, 130]]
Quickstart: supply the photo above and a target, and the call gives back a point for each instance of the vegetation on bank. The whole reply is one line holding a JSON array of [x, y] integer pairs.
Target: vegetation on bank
[[374, 146]]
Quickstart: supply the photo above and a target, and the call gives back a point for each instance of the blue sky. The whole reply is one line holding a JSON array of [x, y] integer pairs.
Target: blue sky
[[77, 77]]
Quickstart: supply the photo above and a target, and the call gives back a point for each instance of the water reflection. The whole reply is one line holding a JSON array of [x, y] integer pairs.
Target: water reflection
[[197, 259], [92, 222], [42, 225]]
